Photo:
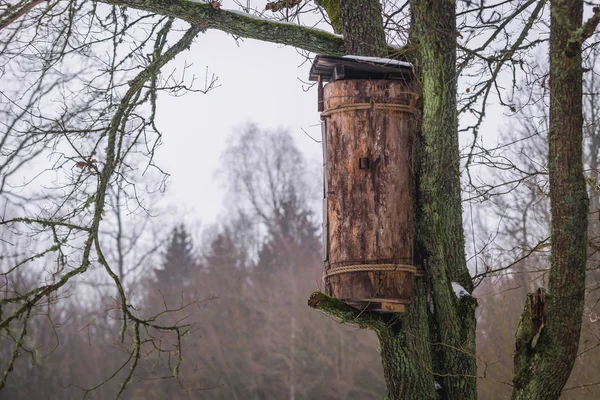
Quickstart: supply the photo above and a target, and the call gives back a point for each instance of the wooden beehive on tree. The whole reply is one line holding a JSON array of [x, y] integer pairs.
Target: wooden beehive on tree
[[368, 123]]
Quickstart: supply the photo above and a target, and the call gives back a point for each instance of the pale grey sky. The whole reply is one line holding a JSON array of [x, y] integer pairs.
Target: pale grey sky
[[259, 83]]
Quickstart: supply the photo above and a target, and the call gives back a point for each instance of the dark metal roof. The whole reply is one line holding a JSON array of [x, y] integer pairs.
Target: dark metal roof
[[332, 68]]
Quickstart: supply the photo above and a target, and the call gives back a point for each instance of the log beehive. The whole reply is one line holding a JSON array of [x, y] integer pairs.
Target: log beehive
[[368, 229]]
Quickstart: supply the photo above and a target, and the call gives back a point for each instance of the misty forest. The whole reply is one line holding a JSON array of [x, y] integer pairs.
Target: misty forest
[[111, 289]]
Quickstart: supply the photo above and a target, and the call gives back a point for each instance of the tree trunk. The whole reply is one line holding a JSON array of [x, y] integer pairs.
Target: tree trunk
[[404, 347], [440, 237], [421, 352], [549, 330], [362, 28]]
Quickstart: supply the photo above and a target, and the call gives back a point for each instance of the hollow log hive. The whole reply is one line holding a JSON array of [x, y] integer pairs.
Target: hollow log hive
[[368, 230]]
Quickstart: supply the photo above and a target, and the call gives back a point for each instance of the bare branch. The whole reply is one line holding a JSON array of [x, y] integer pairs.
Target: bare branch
[[242, 25]]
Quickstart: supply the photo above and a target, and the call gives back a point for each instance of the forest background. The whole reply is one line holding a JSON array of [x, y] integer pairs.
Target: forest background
[[240, 285]]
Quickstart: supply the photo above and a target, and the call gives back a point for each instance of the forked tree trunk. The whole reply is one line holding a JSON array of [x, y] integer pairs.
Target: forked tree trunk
[[547, 338]]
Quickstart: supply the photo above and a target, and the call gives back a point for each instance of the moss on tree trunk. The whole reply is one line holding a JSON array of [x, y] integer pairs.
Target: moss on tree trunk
[[548, 339], [440, 237], [404, 347]]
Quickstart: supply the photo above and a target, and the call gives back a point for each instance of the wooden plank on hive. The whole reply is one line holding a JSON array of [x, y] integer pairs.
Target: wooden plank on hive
[[393, 307]]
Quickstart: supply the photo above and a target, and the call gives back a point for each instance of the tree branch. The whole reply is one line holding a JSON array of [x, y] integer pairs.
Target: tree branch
[[344, 313], [241, 24], [583, 33], [332, 8], [12, 15]]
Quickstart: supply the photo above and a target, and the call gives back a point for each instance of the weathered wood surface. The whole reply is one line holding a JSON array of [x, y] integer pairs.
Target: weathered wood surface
[[369, 212]]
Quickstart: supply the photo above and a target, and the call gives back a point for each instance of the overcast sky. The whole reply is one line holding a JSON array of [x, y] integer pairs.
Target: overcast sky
[[259, 83]]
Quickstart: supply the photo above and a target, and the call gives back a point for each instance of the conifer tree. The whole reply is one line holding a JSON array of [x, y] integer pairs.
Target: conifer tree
[[180, 264]]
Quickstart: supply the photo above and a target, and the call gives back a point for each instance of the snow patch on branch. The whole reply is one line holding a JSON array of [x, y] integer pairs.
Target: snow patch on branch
[[431, 306], [459, 291], [378, 60]]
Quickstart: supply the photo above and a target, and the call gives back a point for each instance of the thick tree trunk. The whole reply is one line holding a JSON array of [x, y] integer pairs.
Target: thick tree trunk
[[548, 333], [440, 238], [404, 347], [404, 342], [362, 27]]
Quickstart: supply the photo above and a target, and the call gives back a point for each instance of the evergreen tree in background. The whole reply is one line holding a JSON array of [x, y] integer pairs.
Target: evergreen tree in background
[[226, 264], [180, 264], [292, 232]]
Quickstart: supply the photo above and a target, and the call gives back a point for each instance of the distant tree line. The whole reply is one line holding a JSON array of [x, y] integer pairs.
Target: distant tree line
[[240, 289]]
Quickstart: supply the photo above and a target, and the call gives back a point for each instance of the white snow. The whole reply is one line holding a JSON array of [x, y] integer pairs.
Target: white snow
[[378, 60], [459, 290]]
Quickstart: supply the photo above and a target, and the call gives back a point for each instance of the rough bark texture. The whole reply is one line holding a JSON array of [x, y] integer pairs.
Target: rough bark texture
[[369, 209], [545, 352], [332, 8], [362, 27], [404, 346], [440, 238], [404, 342]]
